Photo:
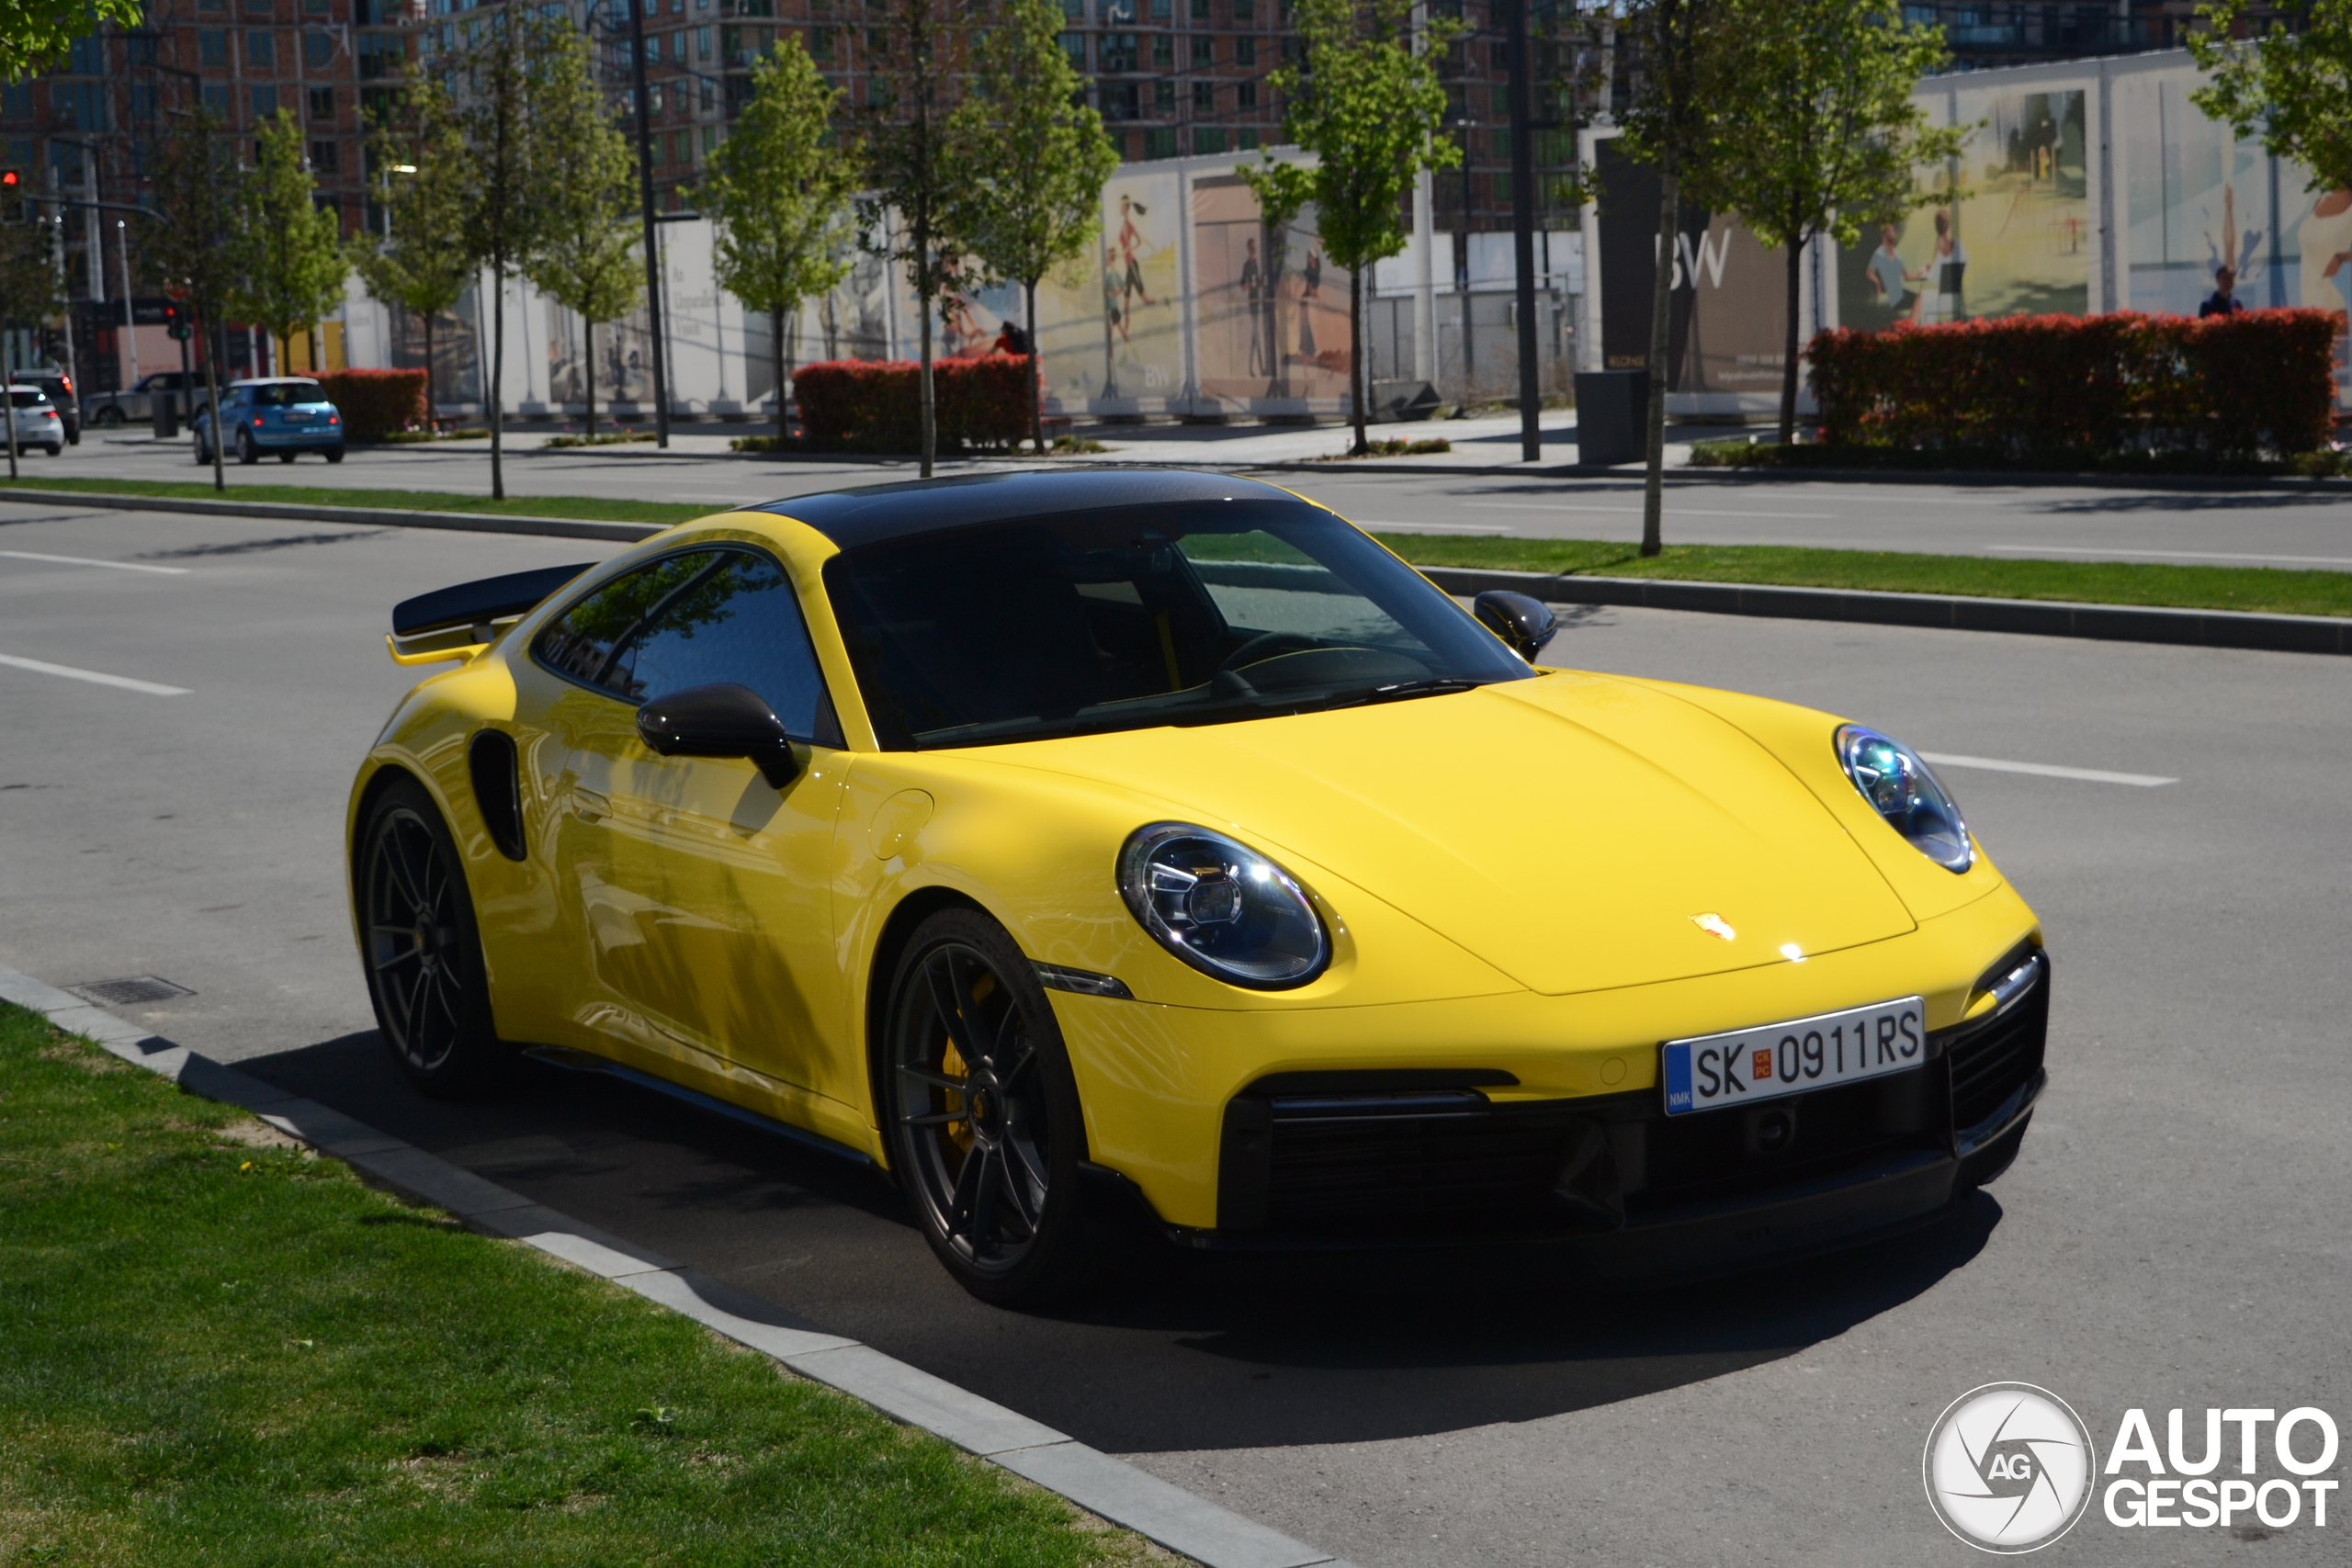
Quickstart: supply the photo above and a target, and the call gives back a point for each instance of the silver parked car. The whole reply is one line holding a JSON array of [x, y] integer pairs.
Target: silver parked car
[[36, 419], [137, 404]]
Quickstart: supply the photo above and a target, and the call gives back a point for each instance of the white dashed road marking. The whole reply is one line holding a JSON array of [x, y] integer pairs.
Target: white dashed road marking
[[41, 667], [88, 561], [2044, 770]]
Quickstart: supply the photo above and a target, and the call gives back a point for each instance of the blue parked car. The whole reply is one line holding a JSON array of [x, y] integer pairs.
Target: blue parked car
[[285, 415]]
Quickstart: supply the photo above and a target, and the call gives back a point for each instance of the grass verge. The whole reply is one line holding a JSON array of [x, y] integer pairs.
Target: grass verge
[[598, 509], [1751, 452], [219, 1351], [2269, 590]]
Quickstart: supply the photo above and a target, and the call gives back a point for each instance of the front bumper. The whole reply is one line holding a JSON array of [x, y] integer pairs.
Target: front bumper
[[1497, 1148]]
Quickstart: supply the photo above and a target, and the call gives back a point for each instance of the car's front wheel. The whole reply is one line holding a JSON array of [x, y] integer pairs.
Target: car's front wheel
[[246, 451], [426, 974], [984, 1120]]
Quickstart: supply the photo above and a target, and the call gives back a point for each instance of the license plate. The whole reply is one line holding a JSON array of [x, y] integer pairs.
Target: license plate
[[1746, 1066], [296, 416]]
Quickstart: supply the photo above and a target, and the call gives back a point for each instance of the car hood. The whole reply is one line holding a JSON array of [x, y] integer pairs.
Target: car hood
[[1576, 831]]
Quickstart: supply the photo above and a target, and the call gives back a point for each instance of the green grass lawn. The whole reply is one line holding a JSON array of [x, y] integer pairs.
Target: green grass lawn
[[217, 1352], [2267, 588], [598, 509]]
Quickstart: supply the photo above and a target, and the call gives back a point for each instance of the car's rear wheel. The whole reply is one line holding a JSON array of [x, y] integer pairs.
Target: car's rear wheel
[[334, 453], [426, 974], [984, 1120], [287, 457], [246, 451]]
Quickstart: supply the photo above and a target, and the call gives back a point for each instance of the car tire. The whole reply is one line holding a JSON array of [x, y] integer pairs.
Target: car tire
[[334, 453], [992, 1176], [288, 457], [203, 455], [54, 449], [247, 453], [426, 975], [109, 416]]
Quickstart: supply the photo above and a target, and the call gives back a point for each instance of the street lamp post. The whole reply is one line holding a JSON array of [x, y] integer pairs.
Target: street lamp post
[[129, 323], [645, 189]]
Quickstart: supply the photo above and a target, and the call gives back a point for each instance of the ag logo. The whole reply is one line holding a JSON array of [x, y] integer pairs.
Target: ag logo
[[2008, 1467]]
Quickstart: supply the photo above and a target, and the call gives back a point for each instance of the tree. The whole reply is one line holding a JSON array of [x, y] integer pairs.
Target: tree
[[1035, 159], [423, 265], [514, 61], [33, 33], [1815, 131], [1671, 124], [777, 193], [911, 173], [294, 263], [31, 292], [586, 260], [2292, 88], [1366, 102], [194, 243]]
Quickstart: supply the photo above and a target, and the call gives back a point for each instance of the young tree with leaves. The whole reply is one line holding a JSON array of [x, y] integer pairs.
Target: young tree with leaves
[[2291, 87], [587, 257], [31, 292], [514, 63], [1366, 102], [1815, 132], [294, 263], [1681, 48], [1035, 158], [912, 176], [777, 193], [423, 266], [195, 243], [33, 33]]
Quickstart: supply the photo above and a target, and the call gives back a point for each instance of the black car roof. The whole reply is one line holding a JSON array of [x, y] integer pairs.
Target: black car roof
[[876, 513]]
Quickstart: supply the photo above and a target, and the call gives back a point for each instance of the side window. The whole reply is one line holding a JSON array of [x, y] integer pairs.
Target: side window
[[692, 619]]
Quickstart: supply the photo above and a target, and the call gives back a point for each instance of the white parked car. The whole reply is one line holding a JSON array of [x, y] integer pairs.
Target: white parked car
[[36, 418]]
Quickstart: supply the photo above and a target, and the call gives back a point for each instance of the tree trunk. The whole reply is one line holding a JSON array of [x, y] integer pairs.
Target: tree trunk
[[498, 378], [1356, 388], [1661, 297], [11, 379], [1037, 392], [1789, 353], [211, 399], [432, 408], [775, 349], [588, 330]]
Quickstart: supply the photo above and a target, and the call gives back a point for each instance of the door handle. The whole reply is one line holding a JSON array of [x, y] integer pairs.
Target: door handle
[[589, 805]]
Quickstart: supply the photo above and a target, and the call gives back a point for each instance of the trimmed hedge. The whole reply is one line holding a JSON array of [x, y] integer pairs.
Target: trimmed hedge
[[854, 405], [375, 403], [2036, 387]]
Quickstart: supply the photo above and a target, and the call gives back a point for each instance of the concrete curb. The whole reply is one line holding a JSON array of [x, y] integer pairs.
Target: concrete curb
[[2037, 617], [363, 516], [1630, 474], [1102, 1486]]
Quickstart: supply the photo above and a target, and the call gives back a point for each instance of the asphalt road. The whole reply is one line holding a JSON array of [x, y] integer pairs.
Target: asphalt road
[[2173, 1235], [2285, 527]]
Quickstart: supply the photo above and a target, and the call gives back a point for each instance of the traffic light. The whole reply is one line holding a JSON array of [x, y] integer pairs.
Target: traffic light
[[11, 182], [176, 320]]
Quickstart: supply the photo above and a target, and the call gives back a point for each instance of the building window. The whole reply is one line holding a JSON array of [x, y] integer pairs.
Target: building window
[[1244, 12], [1203, 51], [1163, 50], [1245, 141], [1163, 10], [1074, 46], [702, 43], [1245, 96], [322, 103], [709, 140], [1205, 98], [17, 103], [212, 46], [318, 50], [1121, 100], [1118, 54], [1200, 10], [1074, 9], [1164, 98], [325, 158], [653, 49], [1159, 144], [265, 101], [1245, 50], [216, 99], [261, 51], [1209, 139]]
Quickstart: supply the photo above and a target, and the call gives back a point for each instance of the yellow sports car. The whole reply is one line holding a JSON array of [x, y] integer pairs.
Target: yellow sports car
[[1063, 842]]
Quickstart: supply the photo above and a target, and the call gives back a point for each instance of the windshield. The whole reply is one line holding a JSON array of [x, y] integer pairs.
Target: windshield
[[285, 394], [1200, 612]]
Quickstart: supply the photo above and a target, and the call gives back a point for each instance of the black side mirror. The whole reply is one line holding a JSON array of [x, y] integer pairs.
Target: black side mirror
[[1525, 624], [720, 720]]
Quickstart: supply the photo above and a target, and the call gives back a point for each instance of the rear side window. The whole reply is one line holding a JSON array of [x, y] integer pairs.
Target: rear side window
[[690, 620], [285, 394]]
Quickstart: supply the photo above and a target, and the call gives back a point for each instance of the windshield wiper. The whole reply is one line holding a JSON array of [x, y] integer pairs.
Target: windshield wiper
[[1435, 686]]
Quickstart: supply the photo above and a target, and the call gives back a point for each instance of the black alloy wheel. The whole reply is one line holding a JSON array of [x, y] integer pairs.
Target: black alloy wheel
[[984, 1125], [246, 451], [426, 974]]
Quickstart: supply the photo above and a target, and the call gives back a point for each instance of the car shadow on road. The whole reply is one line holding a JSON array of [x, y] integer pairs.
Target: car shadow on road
[[1175, 1352]]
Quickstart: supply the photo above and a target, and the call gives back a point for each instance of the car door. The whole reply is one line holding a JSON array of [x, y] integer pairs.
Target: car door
[[698, 892]]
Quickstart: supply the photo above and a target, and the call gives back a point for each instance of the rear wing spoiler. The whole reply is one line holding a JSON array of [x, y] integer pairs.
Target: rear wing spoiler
[[455, 623]]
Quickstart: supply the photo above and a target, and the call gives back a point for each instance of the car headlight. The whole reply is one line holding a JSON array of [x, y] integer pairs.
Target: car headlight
[[1222, 908], [1899, 788]]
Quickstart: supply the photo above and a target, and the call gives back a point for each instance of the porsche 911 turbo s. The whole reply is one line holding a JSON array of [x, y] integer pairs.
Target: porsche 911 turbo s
[[1162, 835]]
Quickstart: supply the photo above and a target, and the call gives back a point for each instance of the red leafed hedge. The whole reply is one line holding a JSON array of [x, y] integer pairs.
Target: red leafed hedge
[[2028, 387], [854, 405], [374, 404]]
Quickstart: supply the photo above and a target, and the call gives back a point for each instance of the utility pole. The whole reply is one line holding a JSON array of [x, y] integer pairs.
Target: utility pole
[[129, 325], [652, 247], [1425, 241], [1522, 231]]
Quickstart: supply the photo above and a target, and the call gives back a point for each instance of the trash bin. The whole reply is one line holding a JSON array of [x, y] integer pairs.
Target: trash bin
[[1612, 409], [166, 406]]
